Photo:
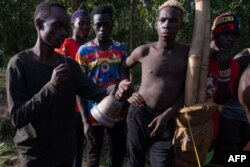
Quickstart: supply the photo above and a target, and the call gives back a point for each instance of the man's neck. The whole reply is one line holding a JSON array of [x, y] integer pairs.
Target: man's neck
[[78, 39], [44, 54], [166, 45], [104, 45]]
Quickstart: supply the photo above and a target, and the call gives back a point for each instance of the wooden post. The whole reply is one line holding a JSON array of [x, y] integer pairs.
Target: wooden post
[[196, 51], [205, 59]]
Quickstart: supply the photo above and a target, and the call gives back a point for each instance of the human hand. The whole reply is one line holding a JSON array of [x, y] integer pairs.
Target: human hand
[[224, 59], [137, 100], [88, 132], [158, 125], [124, 90], [60, 75]]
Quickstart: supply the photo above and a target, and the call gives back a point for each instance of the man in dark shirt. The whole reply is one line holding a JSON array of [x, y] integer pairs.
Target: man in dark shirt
[[41, 88]]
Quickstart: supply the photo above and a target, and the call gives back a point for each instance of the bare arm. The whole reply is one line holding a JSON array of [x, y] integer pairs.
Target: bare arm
[[82, 103], [244, 91], [132, 60]]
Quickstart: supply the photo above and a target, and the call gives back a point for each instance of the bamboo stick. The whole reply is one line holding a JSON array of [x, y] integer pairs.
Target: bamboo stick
[[195, 54], [205, 58]]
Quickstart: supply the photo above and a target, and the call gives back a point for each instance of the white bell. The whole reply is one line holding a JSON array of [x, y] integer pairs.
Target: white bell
[[105, 111]]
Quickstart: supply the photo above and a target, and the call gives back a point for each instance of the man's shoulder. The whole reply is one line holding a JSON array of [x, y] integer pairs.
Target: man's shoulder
[[145, 46], [18, 58], [87, 48], [117, 44], [88, 45], [142, 50], [69, 40]]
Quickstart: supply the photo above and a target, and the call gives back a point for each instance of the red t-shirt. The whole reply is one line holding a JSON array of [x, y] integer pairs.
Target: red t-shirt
[[71, 47], [213, 75], [212, 84]]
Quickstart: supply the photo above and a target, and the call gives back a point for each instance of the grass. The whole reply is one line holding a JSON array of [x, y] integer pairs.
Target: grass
[[2, 82], [8, 154]]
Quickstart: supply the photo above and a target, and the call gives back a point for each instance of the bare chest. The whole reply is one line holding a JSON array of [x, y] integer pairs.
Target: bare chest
[[164, 66]]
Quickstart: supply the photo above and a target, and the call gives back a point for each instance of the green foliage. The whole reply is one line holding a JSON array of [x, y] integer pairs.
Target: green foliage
[[17, 30], [239, 8], [8, 155], [208, 157]]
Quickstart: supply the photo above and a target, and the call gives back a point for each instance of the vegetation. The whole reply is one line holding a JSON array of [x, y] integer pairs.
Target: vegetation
[[17, 31], [134, 25]]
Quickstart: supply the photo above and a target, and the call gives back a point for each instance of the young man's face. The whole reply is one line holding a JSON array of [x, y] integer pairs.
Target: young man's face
[[102, 25], [81, 26], [168, 22], [226, 40], [53, 30]]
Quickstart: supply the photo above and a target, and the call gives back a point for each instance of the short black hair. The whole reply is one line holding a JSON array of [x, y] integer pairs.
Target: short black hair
[[102, 9], [43, 8]]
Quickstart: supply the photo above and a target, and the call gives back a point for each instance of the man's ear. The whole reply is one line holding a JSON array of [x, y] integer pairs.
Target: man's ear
[[39, 23]]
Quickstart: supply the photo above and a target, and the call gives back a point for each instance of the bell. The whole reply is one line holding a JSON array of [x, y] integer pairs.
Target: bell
[[105, 111]]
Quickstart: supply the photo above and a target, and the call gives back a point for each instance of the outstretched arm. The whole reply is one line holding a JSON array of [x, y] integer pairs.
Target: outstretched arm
[[132, 60]]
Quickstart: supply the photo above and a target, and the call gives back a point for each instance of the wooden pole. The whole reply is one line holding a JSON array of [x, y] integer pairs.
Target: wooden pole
[[131, 34], [196, 51], [205, 59]]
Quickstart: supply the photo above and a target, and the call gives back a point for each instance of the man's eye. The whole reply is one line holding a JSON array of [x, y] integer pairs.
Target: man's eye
[[174, 20]]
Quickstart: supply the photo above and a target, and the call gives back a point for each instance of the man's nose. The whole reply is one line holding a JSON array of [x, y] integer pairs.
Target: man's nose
[[166, 24], [232, 37]]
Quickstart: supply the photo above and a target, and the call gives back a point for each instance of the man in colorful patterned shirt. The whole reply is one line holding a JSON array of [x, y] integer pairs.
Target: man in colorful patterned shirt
[[101, 60]]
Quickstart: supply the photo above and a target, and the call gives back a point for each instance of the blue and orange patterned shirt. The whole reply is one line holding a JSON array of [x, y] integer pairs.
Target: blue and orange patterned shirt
[[103, 67]]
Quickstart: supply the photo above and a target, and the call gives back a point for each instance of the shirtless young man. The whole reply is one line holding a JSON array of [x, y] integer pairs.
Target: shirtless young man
[[164, 64]]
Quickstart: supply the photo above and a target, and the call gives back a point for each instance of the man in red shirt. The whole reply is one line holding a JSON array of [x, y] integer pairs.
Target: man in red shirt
[[223, 72], [80, 23]]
